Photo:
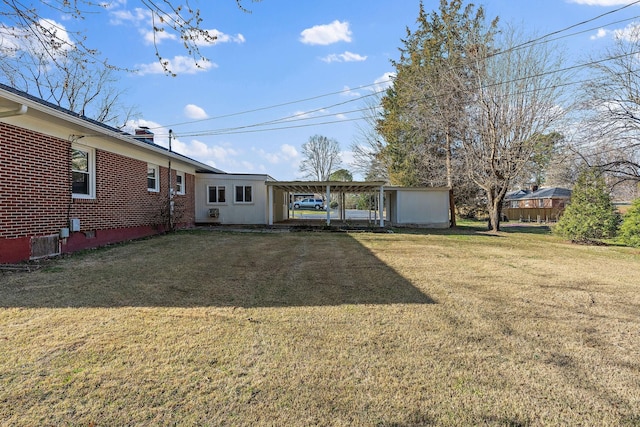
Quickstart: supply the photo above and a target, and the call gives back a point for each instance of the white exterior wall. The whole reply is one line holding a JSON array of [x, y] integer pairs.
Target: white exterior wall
[[231, 212], [427, 207]]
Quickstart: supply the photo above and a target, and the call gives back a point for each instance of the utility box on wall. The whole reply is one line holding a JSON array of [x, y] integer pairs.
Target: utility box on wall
[[74, 224]]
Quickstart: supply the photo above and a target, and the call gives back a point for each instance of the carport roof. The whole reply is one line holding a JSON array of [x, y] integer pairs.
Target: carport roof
[[313, 187]]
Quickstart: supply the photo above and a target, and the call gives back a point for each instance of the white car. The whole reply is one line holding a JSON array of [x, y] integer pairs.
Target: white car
[[309, 203]]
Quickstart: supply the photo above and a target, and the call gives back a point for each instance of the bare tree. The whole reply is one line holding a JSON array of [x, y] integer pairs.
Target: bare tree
[[369, 157], [321, 156], [28, 21], [611, 107], [85, 88], [517, 98]]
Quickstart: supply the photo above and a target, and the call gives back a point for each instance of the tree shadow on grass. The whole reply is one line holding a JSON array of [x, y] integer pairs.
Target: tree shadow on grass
[[216, 270], [479, 229]]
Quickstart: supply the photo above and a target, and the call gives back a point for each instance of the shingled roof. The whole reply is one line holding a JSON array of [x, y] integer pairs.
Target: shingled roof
[[542, 193]]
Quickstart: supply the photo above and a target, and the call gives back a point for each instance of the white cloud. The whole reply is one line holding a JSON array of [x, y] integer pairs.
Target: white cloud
[[226, 38], [217, 155], [223, 156], [383, 82], [298, 115], [326, 34], [143, 20], [178, 65], [13, 39], [289, 151], [192, 111], [344, 57], [123, 16], [629, 33], [602, 33], [346, 91], [286, 153]]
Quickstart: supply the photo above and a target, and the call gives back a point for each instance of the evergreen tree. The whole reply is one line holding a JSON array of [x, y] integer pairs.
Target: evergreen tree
[[630, 228], [591, 214]]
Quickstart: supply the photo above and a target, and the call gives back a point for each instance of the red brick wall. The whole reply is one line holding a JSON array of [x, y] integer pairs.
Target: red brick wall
[[35, 194]]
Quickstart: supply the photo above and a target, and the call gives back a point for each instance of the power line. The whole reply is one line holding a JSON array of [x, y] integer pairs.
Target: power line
[[533, 41], [243, 129], [270, 107]]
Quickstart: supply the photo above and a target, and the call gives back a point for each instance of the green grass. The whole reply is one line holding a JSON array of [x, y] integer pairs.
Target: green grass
[[416, 327]]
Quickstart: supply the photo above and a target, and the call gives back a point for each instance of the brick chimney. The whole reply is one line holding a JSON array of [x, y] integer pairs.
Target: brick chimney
[[144, 134]]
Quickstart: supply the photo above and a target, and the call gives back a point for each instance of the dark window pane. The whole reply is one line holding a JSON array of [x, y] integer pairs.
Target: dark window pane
[[221, 196], [80, 183], [239, 194], [212, 195], [247, 194]]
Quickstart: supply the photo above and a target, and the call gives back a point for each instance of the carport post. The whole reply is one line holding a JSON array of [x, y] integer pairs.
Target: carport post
[[328, 210], [271, 202], [381, 206]]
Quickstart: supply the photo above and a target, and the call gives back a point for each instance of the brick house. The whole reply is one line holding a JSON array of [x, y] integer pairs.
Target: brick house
[[69, 183], [537, 204]]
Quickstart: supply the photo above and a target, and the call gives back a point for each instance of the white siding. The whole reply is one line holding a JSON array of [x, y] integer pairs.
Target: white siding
[[231, 212], [420, 206]]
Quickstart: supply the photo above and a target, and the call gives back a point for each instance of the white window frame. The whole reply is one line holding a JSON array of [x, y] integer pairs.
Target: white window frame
[[156, 168], [244, 193], [180, 186], [90, 172], [217, 190]]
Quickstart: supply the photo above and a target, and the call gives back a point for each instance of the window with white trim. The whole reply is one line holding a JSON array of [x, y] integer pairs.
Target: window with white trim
[[83, 172], [180, 183], [244, 194], [153, 178], [216, 194]]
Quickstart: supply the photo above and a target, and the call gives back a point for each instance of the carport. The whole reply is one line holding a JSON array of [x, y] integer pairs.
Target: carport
[[328, 188]]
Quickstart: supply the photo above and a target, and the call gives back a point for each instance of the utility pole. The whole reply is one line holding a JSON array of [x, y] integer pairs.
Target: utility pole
[[170, 186]]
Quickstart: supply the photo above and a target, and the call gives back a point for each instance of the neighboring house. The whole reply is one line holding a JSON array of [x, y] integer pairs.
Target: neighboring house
[[69, 183], [538, 205]]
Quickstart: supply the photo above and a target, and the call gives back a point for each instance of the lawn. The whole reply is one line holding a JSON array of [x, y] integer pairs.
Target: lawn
[[455, 327]]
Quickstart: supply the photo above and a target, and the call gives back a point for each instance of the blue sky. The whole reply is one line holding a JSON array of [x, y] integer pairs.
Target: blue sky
[[299, 62]]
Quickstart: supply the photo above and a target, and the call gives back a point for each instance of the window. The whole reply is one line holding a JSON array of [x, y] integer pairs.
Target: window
[[153, 178], [83, 174], [515, 204], [180, 183], [243, 194], [216, 194], [541, 203]]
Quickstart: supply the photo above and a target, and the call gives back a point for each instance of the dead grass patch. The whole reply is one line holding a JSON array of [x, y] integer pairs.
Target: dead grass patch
[[451, 328]]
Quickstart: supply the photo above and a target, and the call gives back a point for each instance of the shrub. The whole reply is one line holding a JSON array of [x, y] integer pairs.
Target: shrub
[[591, 215], [630, 228]]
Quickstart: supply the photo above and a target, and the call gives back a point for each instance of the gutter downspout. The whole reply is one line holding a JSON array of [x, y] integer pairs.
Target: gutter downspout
[[17, 112]]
